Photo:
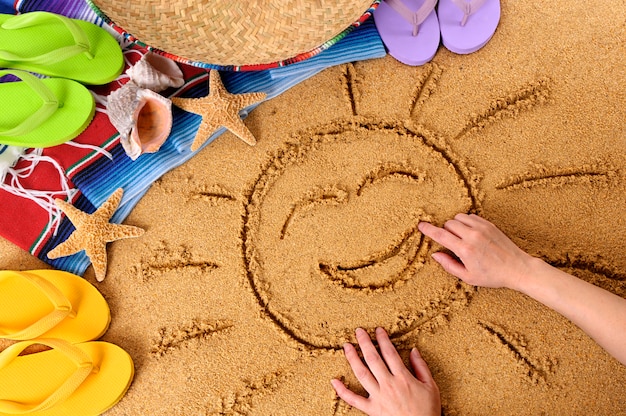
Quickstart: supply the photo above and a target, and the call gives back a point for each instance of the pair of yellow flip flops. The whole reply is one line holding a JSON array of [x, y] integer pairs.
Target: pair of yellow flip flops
[[77, 376]]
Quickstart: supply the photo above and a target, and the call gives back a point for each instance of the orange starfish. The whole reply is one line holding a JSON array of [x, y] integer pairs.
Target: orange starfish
[[93, 232], [219, 109]]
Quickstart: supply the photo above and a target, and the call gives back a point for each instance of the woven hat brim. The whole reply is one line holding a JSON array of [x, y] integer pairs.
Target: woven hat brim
[[200, 48]]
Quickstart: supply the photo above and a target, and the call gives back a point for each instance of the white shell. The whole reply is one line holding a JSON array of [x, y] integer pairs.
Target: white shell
[[156, 73], [142, 117]]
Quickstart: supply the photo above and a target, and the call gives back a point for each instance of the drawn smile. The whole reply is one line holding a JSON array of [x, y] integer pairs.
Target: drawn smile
[[381, 270]]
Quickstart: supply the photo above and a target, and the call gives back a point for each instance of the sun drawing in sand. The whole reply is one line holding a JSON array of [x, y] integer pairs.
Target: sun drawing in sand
[[412, 175], [368, 265]]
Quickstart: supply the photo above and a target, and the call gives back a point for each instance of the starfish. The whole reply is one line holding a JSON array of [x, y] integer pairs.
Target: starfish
[[219, 109], [93, 232]]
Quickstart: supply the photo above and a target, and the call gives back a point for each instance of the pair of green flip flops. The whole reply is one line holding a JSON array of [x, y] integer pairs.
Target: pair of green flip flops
[[47, 112]]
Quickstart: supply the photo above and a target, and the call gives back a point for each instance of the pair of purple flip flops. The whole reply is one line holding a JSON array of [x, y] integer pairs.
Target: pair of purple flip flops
[[411, 29]]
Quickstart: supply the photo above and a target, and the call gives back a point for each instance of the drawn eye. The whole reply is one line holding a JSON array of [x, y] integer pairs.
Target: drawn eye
[[316, 197], [391, 171], [542, 176]]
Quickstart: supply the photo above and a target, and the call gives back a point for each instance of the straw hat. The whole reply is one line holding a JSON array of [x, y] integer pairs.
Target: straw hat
[[236, 32]]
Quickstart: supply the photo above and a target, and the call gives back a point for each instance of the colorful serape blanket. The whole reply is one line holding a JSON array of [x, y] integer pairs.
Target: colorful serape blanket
[[87, 170]]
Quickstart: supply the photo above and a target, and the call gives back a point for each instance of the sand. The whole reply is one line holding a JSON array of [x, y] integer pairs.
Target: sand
[[258, 262]]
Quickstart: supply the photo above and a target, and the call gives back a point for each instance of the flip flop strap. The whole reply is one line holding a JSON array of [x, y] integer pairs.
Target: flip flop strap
[[49, 106], [84, 367], [62, 308], [468, 7], [81, 41], [415, 18]]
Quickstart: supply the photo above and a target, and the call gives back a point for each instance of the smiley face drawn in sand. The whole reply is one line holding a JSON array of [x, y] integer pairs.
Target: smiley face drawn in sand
[[366, 264]]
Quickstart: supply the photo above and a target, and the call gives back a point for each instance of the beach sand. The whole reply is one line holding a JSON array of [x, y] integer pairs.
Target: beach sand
[[259, 262]]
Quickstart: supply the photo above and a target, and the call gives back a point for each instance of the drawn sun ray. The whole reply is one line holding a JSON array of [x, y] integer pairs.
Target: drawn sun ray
[[213, 195], [542, 176], [241, 402], [349, 85], [164, 260], [170, 339], [526, 98], [535, 370], [426, 83]]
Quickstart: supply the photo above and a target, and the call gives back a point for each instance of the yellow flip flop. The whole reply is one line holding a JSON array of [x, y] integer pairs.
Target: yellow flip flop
[[70, 379], [50, 304]]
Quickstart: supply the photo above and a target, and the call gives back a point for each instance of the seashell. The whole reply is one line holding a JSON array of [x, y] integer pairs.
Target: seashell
[[156, 73], [142, 117]]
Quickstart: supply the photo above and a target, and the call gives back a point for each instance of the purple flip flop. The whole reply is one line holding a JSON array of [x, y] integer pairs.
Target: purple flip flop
[[409, 29], [467, 25]]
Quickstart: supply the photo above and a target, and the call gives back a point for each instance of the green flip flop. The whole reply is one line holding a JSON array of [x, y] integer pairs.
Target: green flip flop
[[43, 112], [54, 45]]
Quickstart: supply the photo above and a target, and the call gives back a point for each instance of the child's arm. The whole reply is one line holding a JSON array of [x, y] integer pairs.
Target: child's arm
[[489, 258]]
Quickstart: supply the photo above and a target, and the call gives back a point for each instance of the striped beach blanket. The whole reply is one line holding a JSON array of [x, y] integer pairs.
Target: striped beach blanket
[[88, 169]]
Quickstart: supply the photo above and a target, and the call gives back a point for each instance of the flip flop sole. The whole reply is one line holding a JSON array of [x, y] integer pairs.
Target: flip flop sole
[[31, 378], [106, 65], [22, 304], [478, 29], [397, 34], [18, 102]]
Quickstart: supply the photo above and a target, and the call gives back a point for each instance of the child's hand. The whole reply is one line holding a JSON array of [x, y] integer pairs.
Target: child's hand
[[488, 257], [392, 388]]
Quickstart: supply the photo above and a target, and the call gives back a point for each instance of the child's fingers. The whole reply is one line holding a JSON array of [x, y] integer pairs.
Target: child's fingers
[[474, 220], [374, 361], [450, 264], [349, 396], [359, 369], [456, 227], [422, 372], [467, 219], [443, 237], [389, 352]]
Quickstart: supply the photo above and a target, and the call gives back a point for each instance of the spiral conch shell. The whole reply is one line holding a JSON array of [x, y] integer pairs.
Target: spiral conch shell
[[156, 73], [142, 117]]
